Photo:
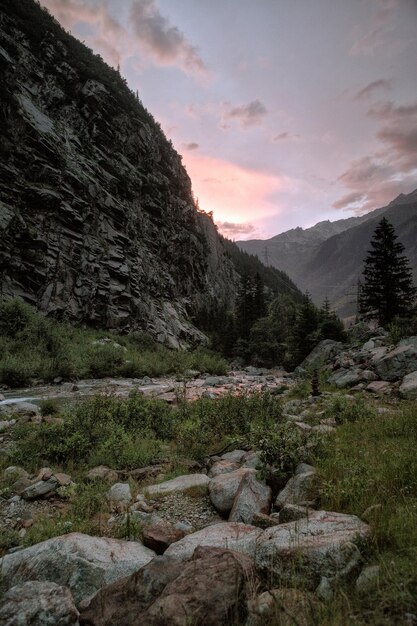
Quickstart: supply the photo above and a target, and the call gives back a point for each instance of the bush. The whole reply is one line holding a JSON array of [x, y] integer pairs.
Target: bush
[[15, 316], [346, 410], [206, 426], [50, 406], [105, 361], [101, 430], [15, 372], [35, 347], [281, 448]]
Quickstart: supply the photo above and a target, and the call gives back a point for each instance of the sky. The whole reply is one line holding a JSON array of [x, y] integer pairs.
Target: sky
[[286, 112]]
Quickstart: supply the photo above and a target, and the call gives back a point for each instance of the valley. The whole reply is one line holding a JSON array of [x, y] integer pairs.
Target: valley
[[196, 431]]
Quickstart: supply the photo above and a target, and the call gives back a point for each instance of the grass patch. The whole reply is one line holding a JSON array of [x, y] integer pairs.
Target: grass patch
[[34, 348], [371, 471]]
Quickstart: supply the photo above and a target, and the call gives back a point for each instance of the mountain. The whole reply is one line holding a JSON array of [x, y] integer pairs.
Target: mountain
[[327, 259], [97, 218]]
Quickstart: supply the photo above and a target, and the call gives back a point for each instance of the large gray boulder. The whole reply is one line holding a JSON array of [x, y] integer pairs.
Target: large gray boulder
[[323, 353], [119, 495], [408, 387], [189, 483], [251, 497], [38, 603], [320, 545], [224, 487], [40, 489], [409, 341], [397, 363], [232, 535], [344, 377], [80, 562], [214, 587], [298, 490], [222, 467]]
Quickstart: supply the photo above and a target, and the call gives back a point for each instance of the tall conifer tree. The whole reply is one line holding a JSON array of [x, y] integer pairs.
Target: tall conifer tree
[[387, 290]]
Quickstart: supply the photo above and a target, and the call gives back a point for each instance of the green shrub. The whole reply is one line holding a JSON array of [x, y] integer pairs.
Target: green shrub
[[281, 448], [105, 361], [343, 409], [101, 430], [15, 372], [50, 406], [15, 316], [206, 425]]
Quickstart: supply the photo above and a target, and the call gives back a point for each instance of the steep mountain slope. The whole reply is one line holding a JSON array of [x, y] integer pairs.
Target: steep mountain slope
[[327, 259], [292, 250], [338, 262], [97, 218]]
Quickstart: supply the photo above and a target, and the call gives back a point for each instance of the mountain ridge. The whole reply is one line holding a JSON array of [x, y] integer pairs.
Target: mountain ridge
[[329, 265]]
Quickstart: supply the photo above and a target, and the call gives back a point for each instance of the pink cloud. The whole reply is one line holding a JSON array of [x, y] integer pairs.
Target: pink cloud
[[233, 230], [370, 89], [150, 31], [251, 114], [109, 37], [234, 193], [164, 42], [375, 179]]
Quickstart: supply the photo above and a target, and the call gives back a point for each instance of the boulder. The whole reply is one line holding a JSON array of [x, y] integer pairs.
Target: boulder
[[252, 460], [321, 545], [409, 341], [211, 588], [299, 489], [286, 607], [251, 497], [236, 456], [346, 377], [80, 562], [119, 495], [102, 472], [323, 353], [397, 363], [378, 386], [222, 467], [38, 604], [20, 485], [408, 387], [63, 479], [159, 535], [260, 520], [293, 512], [40, 489], [14, 472], [189, 483], [223, 489], [45, 473], [232, 535], [368, 579], [6, 425]]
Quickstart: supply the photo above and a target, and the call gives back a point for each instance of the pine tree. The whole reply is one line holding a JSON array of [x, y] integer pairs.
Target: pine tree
[[388, 289], [260, 308], [330, 326], [305, 330]]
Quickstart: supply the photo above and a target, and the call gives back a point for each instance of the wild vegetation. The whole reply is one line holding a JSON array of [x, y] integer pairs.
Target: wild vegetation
[[34, 348], [369, 470], [281, 330]]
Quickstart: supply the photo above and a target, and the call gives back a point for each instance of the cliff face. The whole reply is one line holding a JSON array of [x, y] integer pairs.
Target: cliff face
[[97, 219]]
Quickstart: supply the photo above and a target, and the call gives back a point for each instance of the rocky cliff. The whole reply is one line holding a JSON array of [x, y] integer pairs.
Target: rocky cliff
[[97, 218]]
